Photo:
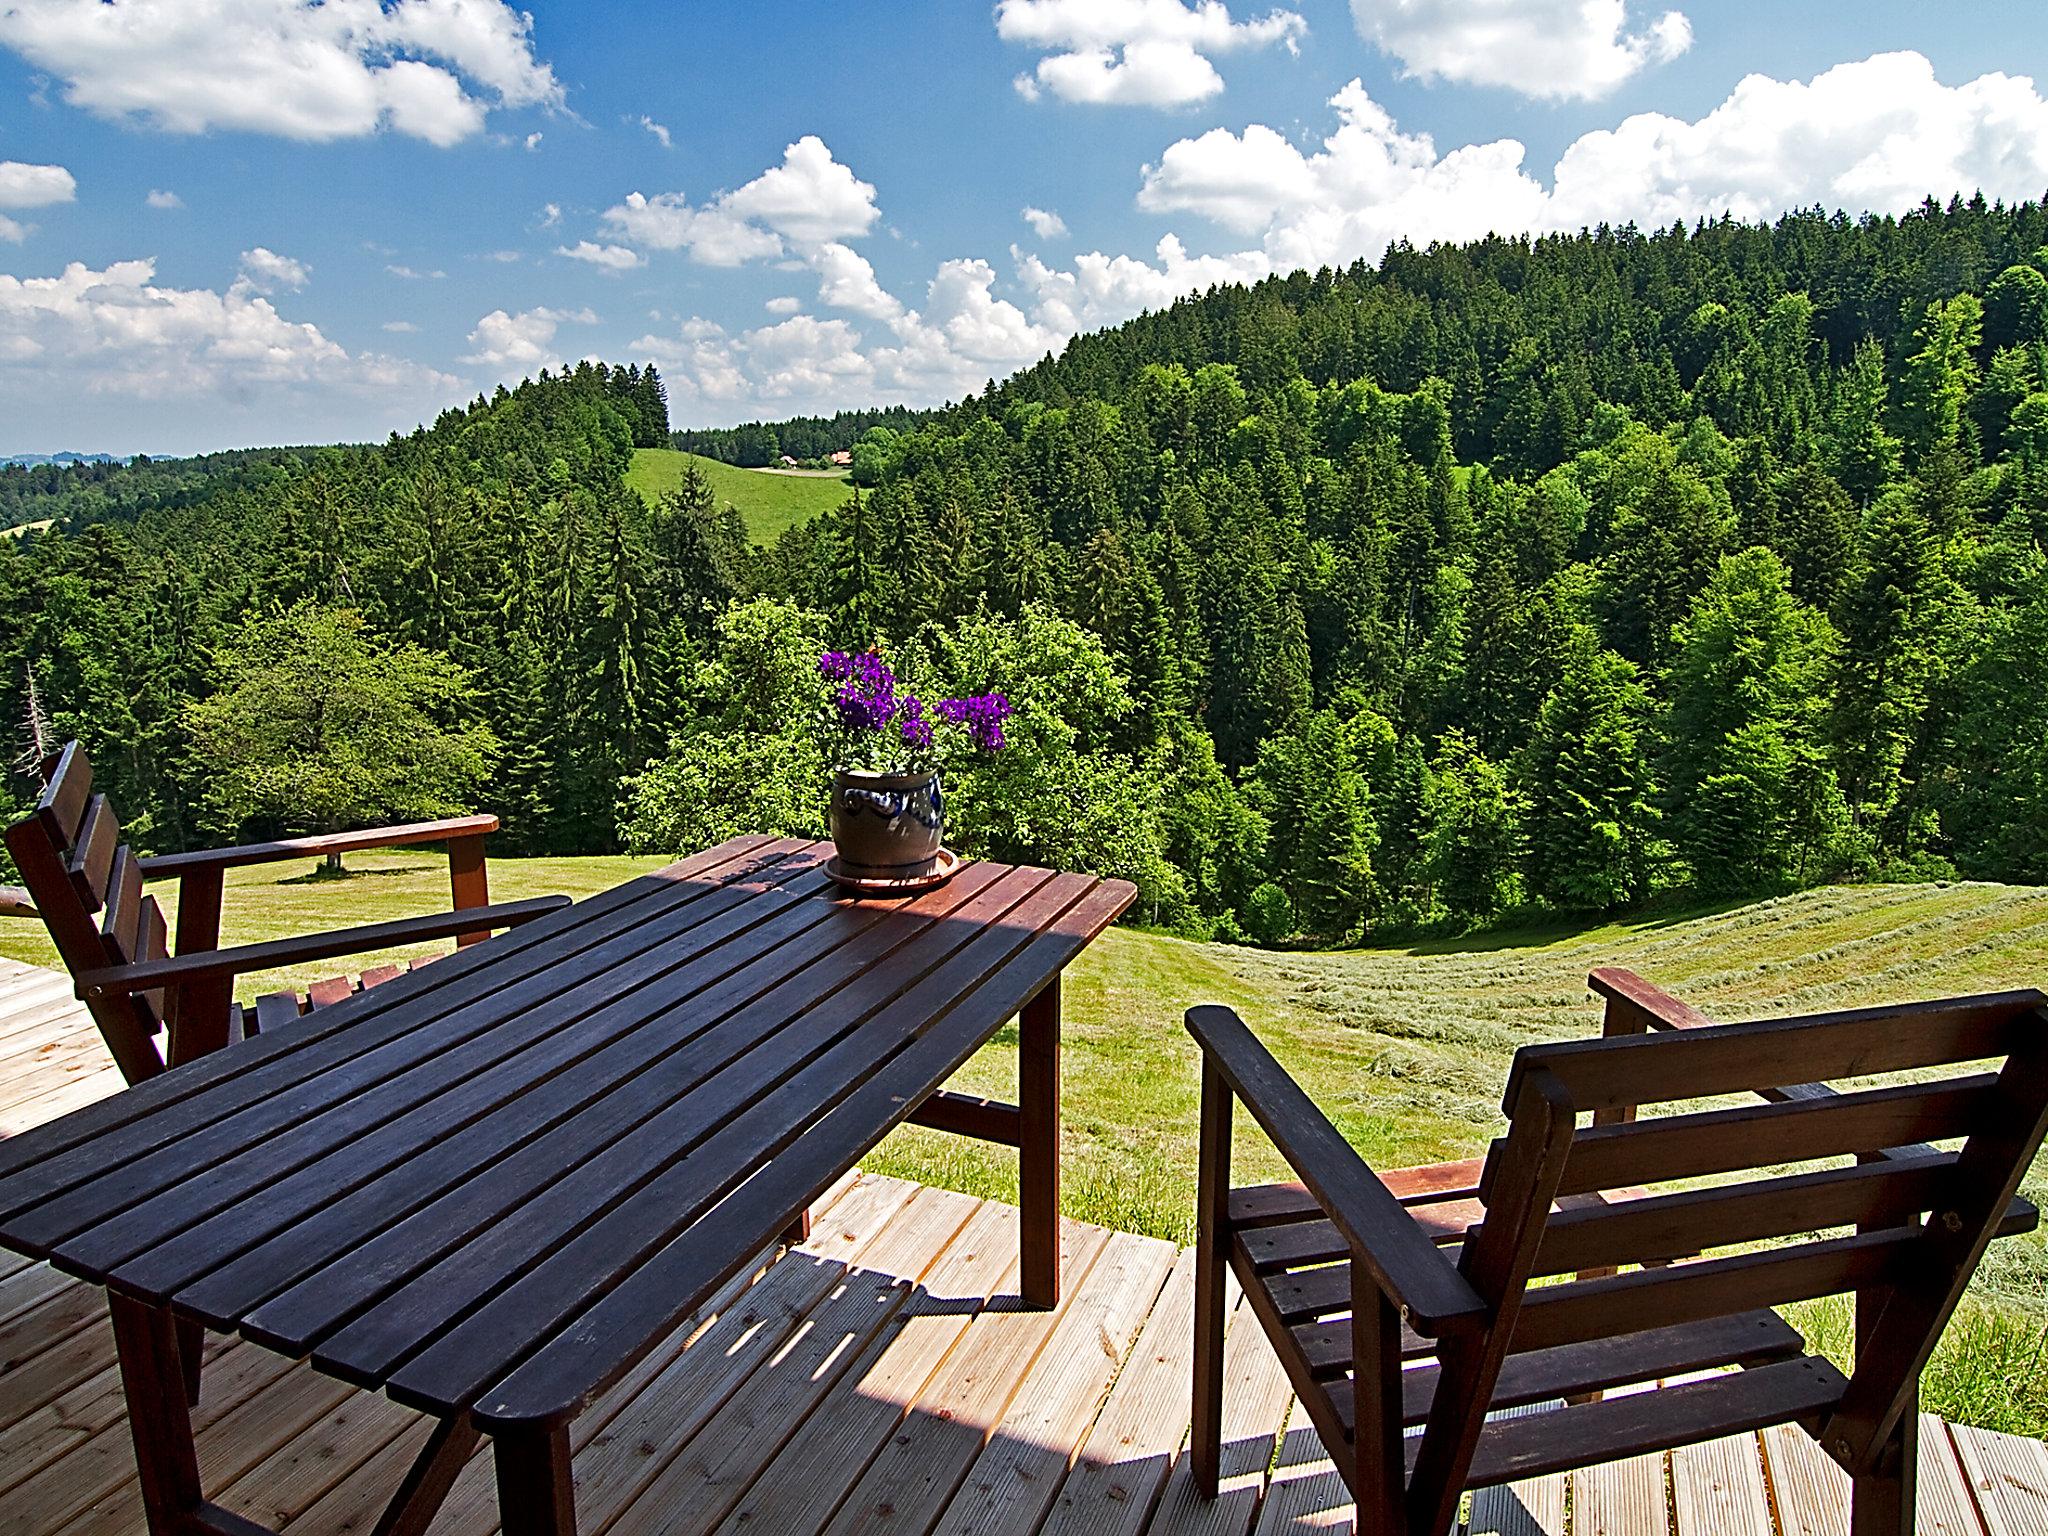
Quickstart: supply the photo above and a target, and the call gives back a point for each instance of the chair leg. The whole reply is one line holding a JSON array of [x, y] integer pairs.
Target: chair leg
[[1885, 1501], [1205, 1438], [191, 1349]]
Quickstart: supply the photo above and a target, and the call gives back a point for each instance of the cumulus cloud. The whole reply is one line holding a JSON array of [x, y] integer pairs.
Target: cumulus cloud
[[1879, 134], [786, 304], [846, 280], [117, 331], [35, 186], [503, 340], [1045, 224], [807, 201], [609, 258], [1553, 49], [266, 271], [1153, 53], [430, 69], [162, 199], [401, 327]]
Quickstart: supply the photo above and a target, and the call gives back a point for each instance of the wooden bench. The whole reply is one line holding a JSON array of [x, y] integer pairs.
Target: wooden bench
[[1405, 1302], [87, 885]]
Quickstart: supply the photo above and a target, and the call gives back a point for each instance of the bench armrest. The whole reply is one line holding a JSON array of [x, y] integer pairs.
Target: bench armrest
[[164, 865], [214, 964], [1383, 1237], [1628, 994]]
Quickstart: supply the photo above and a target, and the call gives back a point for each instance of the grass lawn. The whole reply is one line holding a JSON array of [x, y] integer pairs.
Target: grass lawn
[[1407, 1049], [768, 503]]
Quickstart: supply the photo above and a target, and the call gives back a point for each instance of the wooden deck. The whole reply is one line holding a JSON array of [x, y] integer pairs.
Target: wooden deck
[[879, 1379]]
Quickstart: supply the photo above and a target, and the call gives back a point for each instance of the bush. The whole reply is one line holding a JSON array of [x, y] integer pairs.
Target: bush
[[1269, 915]]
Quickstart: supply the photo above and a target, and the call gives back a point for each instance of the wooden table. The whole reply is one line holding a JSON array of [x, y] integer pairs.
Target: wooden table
[[489, 1187]]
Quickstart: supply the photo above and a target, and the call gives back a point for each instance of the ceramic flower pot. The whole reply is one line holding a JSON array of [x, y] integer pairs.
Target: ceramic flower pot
[[887, 825]]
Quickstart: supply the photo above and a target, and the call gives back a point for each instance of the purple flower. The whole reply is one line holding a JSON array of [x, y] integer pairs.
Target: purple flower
[[910, 720], [982, 714], [866, 700]]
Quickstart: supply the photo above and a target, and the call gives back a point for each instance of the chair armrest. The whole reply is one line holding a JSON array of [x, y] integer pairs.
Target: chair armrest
[[1656, 1008], [213, 964], [1383, 1237], [200, 859]]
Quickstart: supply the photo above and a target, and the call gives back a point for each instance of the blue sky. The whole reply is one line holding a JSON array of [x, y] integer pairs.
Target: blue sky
[[230, 222]]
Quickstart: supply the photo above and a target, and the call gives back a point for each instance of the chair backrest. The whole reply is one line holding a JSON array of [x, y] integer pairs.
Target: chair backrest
[[1816, 1191], [87, 885]]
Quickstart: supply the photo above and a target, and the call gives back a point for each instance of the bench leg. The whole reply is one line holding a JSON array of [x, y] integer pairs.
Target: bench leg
[[1038, 1158], [1885, 1500], [800, 1229], [1212, 1172], [469, 881], [536, 1489], [191, 1352]]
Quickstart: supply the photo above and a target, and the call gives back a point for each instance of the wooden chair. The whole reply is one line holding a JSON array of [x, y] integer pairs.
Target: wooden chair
[[1404, 1301], [88, 887]]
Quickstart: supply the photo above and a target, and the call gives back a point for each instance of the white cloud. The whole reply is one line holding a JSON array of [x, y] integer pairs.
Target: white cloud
[[550, 215], [13, 231], [1879, 134], [1554, 49], [1134, 52], [416, 274], [787, 304], [430, 69], [266, 271], [809, 198], [1045, 224], [659, 131], [504, 340], [610, 258], [35, 186], [713, 236], [532, 140], [1106, 290], [118, 332], [401, 327], [162, 199], [503, 258], [806, 202], [846, 280]]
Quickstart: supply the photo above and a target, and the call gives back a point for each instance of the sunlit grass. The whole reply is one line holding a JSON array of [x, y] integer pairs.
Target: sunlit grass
[[767, 502]]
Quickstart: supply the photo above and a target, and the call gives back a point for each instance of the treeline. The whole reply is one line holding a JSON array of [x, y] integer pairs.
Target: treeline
[[1561, 572], [90, 489], [502, 537], [759, 443]]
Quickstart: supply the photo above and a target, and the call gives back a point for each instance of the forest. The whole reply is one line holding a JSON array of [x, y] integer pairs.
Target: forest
[[1565, 574]]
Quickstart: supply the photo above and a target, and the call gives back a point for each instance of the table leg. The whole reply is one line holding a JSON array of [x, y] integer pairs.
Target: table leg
[[1038, 1158], [159, 1418], [536, 1488]]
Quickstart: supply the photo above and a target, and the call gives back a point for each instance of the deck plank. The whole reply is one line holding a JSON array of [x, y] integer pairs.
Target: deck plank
[[1305, 1493], [1257, 1400], [1717, 1489], [1622, 1498], [826, 1456], [914, 1476], [1123, 1465], [2009, 1478], [1535, 1506], [1019, 1472], [710, 1473]]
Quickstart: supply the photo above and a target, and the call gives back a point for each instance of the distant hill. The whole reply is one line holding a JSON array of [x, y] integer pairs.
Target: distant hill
[[66, 457], [769, 501]]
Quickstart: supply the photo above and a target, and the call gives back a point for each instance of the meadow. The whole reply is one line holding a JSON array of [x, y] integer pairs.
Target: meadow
[[767, 502], [1406, 1048]]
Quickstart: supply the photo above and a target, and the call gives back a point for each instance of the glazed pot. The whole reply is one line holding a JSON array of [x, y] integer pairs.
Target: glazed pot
[[887, 825]]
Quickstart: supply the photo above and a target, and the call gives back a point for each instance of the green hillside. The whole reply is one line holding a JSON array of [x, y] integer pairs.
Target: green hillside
[[767, 501]]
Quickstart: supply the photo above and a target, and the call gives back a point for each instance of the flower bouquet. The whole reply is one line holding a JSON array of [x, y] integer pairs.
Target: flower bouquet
[[887, 813]]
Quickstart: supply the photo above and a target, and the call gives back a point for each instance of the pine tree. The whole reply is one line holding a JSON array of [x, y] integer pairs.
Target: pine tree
[[1586, 780]]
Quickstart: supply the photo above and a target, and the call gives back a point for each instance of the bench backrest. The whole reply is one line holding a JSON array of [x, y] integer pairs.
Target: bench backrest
[[87, 885], [1816, 1190]]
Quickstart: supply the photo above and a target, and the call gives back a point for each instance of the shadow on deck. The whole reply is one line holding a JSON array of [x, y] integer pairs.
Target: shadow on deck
[[881, 1378]]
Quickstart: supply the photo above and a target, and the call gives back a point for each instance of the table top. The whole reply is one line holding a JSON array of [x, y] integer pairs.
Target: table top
[[492, 1183]]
